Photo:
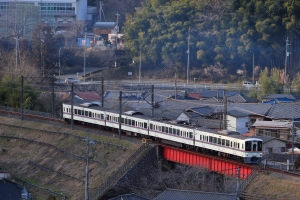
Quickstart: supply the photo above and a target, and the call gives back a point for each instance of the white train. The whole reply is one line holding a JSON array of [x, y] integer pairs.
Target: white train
[[238, 146]]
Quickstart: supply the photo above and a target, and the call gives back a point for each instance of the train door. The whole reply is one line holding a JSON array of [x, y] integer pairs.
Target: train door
[[254, 146]]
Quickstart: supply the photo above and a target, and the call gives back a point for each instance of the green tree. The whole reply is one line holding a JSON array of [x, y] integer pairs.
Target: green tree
[[270, 82], [296, 83]]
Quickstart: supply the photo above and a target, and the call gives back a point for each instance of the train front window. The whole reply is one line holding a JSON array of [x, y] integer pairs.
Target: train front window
[[259, 146], [248, 146]]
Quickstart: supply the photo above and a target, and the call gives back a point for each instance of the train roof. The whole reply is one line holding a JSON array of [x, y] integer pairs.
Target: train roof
[[241, 137]]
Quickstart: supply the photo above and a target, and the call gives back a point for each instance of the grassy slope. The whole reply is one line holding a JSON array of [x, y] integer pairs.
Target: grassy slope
[[18, 154]]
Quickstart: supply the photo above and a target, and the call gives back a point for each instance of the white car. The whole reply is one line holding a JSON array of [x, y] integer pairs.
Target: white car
[[248, 84], [71, 80]]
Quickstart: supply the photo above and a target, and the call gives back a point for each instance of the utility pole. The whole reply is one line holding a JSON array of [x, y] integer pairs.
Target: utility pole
[[87, 168], [22, 98], [59, 64], [72, 105], [53, 111], [238, 183], [102, 91], [287, 54], [253, 67], [140, 66], [225, 110], [152, 101], [84, 57], [175, 86], [100, 11], [120, 114], [293, 133], [188, 61]]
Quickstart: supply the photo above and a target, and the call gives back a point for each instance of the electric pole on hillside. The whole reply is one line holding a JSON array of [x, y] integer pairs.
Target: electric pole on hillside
[[287, 54], [225, 110], [188, 61]]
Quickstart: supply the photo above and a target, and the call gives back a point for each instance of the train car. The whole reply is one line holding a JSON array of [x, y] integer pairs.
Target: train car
[[85, 113], [135, 123], [245, 148], [181, 136]]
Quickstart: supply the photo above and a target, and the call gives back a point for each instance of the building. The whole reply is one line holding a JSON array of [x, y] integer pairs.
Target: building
[[13, 191], [272, 145], [56, 13], [237, 121], [276, 129]]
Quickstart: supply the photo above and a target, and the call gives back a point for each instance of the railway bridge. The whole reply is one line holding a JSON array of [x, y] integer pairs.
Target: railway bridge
[[212, 163]]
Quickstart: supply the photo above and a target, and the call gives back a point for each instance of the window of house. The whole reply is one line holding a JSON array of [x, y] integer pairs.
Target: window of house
[[268, 132], [281, 149], [260, 132]]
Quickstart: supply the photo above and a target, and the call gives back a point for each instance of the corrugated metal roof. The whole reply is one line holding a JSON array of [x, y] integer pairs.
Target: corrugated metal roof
[[275, 96], [237, 113], [104, 25], [275, 124], [284, 111], [170, 194]]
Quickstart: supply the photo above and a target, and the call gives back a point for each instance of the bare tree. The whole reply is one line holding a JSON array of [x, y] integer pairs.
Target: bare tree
[[215, 70], [73, 31]]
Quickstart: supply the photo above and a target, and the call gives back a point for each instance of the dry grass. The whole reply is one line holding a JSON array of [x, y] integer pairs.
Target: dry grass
[[275, 186], [19, 152]]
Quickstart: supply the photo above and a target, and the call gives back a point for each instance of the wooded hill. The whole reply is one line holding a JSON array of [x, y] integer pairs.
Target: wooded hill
[[230, 32]]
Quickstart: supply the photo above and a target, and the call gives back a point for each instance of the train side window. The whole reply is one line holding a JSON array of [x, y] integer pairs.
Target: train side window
[[200, 137], [107, 117], [177, 132], [238, 145], [227, 143], [98, 116], [230, 144], [163, 129], [242, 146], [191, 135], [170, 130], [215, 140], [76, 111], [122, 120], [159, 128], [90, 114], [133, 122], [102, 116], [86, 113], [145, 125], [219, 140], [223, 142], [210, 139], [234, 145]]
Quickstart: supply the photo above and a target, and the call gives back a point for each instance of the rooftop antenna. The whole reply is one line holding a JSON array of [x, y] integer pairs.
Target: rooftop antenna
[[101, 12]]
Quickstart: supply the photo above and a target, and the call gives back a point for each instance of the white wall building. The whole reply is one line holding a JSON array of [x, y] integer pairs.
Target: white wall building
[[237, 121]]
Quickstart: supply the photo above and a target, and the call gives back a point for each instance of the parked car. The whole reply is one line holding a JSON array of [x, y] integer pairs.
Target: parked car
[[248, 84], [71, 80]]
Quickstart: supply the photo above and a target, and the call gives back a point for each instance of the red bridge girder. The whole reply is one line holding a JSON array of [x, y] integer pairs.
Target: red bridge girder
[[211, 163]]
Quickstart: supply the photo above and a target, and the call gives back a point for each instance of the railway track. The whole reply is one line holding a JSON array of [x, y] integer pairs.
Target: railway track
[[112, 133]]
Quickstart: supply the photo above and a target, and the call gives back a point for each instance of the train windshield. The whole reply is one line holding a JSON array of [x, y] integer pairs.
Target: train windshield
[[253, 146], [248, 146], [259, 146]]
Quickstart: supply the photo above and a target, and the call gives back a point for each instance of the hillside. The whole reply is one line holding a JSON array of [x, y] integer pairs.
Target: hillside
[[51, 158]]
